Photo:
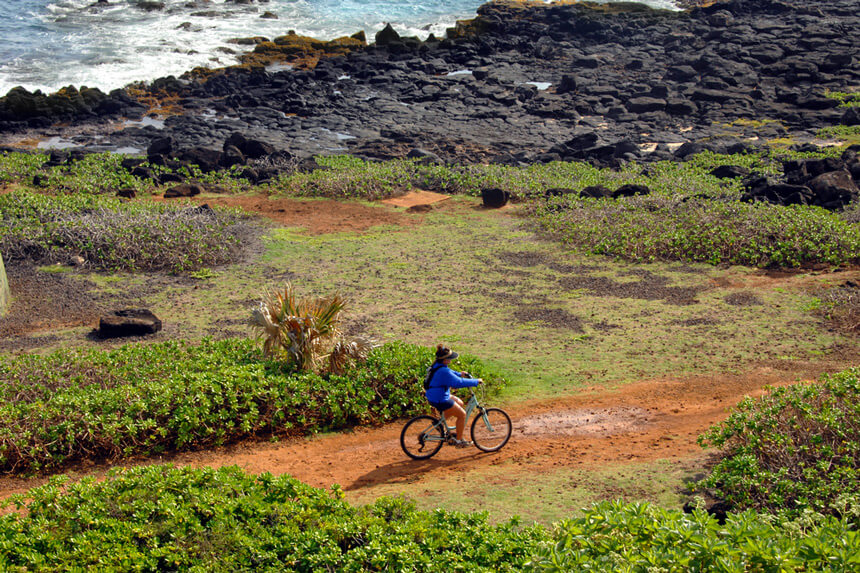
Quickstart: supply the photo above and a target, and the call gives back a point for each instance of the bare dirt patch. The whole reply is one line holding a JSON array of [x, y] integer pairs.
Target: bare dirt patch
[[648, 287], [416, 198], [586, 422], [317, 216], [42, 300]]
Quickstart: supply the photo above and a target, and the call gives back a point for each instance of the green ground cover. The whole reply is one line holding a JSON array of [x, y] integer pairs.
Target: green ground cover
[[794, 450], [161, 518], [703, 230], [108, 233], [550, 318], [164, 519]]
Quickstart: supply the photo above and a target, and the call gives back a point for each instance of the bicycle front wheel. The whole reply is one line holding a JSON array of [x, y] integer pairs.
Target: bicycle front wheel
[[421, 437], [491, 429]]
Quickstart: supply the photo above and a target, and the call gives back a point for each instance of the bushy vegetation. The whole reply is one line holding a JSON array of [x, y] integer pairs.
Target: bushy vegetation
[[794, 450], [146, 399], [18, 167], [111, 234], [93, 174], [101, 173], [168, 519], [701, 230], [845, 99], [612, 536], [346, 176], [161, 518]]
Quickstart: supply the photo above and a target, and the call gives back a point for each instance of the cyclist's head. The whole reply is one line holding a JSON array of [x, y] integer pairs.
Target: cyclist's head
[[445, 353]]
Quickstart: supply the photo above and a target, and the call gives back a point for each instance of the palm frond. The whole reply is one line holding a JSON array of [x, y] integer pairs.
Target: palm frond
[[304, 331]]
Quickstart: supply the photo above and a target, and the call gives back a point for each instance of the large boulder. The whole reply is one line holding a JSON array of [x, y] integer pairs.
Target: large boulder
[[128, 322], [834, 190], [251, 148], [851, 116], [160, 146], [730, 171], [387, 36], [630, 190], [494, 198], [183, 190], [206, 159]]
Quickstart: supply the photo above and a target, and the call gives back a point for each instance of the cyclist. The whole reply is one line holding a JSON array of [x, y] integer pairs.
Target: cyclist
[[438, 383]]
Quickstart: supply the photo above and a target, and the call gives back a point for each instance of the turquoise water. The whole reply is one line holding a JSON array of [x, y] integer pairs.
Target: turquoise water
[[48, 44]]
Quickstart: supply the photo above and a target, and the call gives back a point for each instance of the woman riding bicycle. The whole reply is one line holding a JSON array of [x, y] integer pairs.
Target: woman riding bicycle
[[439, 381]]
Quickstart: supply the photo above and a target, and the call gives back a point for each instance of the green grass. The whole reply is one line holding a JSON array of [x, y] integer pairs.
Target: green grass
[[846, 99], [547, 496], [850, 134]]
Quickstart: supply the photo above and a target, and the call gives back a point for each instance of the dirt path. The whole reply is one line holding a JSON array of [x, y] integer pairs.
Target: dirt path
[[646, 421]]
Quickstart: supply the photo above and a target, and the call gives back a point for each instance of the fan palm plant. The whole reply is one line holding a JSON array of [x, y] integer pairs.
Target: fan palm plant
[[306, 332]]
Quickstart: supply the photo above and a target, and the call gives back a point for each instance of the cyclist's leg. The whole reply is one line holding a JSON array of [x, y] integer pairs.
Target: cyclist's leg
[[458, 412]]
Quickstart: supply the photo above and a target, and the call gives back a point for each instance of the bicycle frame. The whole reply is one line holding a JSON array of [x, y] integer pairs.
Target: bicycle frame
[[470, 407]]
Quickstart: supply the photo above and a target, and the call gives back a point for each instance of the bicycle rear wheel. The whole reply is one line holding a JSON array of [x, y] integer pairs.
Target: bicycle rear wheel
[[491, 429], [421, 437]]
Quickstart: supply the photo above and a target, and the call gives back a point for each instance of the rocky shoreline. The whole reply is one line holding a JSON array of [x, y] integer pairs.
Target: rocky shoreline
[[519, 84]]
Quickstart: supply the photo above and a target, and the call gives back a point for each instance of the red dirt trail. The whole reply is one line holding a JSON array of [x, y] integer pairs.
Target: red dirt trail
[[645, 421]]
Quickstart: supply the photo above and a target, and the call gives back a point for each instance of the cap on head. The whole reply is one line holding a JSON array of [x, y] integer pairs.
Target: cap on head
[[445, 353]]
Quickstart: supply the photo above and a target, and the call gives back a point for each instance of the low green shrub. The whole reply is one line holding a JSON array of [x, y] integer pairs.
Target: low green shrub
[[701, 230], [794, 450], [115, 235], [17, 167], [161, 518], [613, 536], [93, 174], [346, 176], [147, 399], [845, 99]]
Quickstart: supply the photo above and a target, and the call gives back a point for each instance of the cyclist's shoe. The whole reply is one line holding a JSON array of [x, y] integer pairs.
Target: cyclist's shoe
[[462, 443]]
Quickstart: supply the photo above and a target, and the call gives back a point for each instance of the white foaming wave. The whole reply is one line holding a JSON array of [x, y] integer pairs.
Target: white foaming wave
[[113, 45], [116, 45]]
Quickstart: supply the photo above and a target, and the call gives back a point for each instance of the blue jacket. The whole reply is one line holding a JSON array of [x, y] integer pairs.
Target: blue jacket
[[443, 380]]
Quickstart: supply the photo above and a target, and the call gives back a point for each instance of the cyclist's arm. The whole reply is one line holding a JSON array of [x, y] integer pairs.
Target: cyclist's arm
[[454, 380]]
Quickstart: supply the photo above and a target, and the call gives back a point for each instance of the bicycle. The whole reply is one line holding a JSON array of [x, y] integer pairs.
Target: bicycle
[[424, 435]]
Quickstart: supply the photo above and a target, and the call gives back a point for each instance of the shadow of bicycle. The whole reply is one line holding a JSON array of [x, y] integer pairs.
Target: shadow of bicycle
[[408, 470]]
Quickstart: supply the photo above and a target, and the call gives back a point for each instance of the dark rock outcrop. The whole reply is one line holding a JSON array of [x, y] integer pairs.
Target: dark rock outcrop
[[538, 82], [128, 322], [493, 198]]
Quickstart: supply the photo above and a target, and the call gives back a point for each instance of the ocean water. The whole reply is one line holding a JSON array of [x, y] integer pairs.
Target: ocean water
[[48, 44]]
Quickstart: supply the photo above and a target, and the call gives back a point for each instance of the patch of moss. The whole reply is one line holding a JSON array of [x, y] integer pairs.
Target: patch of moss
[[301, 52]]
